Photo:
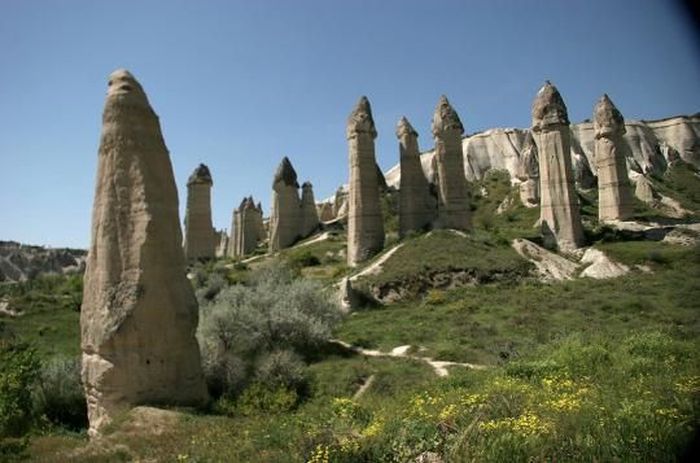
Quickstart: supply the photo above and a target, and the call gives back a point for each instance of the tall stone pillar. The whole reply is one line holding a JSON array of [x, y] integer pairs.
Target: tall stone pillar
[[365, 219], [416, 208], [559, 209], [285, 217], [309, 214], [139, 313], [453, 199], [234, 241], [199, 231], [611, 153]]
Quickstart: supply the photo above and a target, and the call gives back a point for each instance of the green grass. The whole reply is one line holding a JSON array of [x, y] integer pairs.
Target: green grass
[[492, 323], [416, 266], [50, 318], [681, 182]]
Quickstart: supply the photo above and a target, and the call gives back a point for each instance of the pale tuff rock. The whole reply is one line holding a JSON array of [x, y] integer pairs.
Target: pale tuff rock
[[199, 232], [365, 219], [284, 216], [681, 134], [583, 174], [340, 202], [139, 313], [600, 266], [559, 210], [325, 211], [245, 231], [645, 192], [550, 266], [453, 201], [221, 243], [416, 205], [653, 145], [309, 214], [611, 153], [529, 173]]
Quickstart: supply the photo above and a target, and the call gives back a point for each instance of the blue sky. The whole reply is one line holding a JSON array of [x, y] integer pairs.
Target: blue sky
[[239, 84]]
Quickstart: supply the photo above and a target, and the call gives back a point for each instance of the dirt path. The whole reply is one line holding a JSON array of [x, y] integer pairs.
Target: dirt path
[[439, 366], [376, 266]]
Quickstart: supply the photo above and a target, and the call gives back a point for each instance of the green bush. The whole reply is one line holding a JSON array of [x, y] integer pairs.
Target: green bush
[[304, 259], [59, 394], [261, 331], [19, 368]]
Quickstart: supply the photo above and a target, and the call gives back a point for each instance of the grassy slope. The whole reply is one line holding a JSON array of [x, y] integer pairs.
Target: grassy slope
[[523, 330]]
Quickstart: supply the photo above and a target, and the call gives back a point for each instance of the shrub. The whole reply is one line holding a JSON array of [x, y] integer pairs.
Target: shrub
[[59, 394], [255, 330], [304, 259], [19, 367], [261, 397]]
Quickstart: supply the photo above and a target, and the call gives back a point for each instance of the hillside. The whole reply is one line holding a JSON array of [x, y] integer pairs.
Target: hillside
[[458, 348]]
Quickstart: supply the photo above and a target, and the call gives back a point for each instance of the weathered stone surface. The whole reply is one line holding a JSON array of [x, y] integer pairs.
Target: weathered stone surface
[[649, 143], [221, 243], [559, 209], [309, 214], [340, 202], [139, 313], [416, 205], [325, 211], [245, 232], [199, 231], [365, 219], [600, 266], [549, 266], [453, 200], [285, 218], [645, 192], [529, 173], [611, 153]]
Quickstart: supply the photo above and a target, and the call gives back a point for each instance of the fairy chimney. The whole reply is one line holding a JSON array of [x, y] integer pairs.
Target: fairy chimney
[[416, 208], [453, 200], [309, 214], [285, 216], [559, 209], [139, 313], [199, 231], [611, 153], [365, 218]]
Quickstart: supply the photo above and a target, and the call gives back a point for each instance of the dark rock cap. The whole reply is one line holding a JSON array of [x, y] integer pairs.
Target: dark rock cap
[[360, 120], [306, 185], [446, 118], [548, 108], [200, 175], [286, 174], [404, 128], [607, 119]]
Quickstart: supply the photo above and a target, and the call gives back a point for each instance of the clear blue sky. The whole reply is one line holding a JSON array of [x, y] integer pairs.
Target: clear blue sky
[[239, 84]]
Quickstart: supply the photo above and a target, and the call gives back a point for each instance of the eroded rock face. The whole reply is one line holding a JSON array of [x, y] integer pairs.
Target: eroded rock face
[[453, 202], [611, 153], [284, 216], [416, 205], [309, 214], [139, 313], [199, 231], [325, 211], [559, 209], [365, 219]]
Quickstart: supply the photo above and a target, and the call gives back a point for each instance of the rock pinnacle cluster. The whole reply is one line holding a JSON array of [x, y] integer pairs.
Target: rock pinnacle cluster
[[135, 282]]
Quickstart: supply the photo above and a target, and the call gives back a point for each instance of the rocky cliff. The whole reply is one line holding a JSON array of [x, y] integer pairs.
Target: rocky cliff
[[652, 145]]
